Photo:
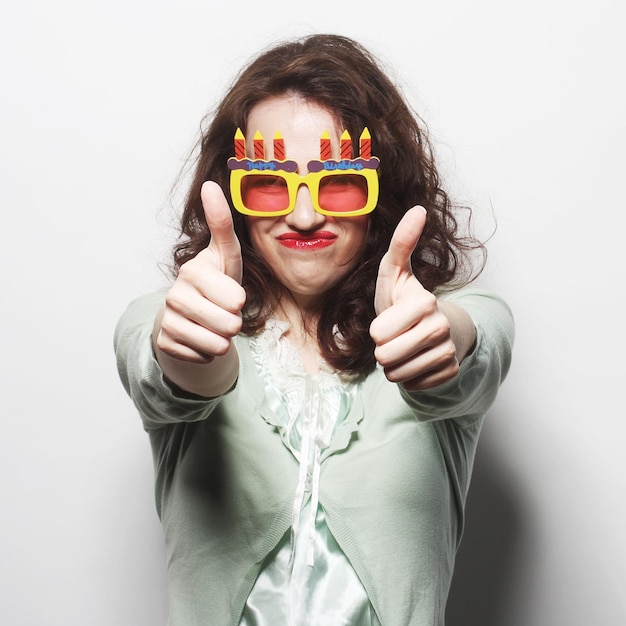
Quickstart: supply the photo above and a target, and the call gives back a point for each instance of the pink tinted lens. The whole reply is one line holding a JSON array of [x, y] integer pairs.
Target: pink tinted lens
[[343, 193], [264, 193]]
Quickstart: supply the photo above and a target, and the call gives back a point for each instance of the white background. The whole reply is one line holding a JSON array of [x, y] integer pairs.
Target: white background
[[100, 103]]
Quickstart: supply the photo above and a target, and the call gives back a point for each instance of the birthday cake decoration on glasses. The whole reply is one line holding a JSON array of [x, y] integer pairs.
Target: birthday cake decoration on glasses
[[340, 188]]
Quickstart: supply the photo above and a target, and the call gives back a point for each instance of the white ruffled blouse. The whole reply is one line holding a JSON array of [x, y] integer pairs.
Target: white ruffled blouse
[[307, 579]]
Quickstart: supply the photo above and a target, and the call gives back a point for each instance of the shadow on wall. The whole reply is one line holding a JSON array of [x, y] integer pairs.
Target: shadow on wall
[[488, 560]]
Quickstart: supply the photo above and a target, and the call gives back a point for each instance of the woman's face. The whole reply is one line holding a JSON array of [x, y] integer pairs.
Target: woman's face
[[308, 252]]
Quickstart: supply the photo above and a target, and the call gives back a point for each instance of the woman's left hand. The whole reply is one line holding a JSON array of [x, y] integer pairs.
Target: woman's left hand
[[413, 337]]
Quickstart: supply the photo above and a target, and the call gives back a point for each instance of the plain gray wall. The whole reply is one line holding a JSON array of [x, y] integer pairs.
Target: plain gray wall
[[100, 104]]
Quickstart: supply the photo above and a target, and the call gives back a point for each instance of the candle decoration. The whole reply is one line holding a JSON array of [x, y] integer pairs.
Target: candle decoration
[[325, 152], [259, 146], [365, 144], [346, 145], [279, 147], [240, 145]]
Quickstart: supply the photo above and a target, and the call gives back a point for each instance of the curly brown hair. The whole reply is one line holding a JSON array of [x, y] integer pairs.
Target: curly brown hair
[[340, 75]]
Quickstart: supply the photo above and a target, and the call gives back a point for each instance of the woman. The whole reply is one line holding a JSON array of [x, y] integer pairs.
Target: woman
[[314, 381]]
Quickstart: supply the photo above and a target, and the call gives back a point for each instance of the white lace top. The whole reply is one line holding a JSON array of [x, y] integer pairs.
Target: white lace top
[[307, 579]]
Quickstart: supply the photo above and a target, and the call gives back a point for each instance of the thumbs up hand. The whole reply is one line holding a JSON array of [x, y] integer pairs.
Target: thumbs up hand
[[203, 307], [412, 335]]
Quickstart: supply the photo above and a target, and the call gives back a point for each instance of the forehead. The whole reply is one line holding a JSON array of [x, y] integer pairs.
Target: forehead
[[296, 119]]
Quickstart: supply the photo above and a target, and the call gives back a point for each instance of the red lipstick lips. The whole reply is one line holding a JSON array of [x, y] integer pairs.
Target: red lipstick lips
[[314, 241]]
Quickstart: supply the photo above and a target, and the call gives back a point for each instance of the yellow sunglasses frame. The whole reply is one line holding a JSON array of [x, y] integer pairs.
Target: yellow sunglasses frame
[[312, 181]]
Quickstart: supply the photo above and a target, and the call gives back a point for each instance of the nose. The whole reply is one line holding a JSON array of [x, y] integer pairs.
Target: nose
[[304, 217]]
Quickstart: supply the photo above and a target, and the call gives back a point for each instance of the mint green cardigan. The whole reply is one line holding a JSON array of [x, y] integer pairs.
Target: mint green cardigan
[[393, 494]]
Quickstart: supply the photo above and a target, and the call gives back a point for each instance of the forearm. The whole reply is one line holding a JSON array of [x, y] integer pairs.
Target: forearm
[[462, 329]]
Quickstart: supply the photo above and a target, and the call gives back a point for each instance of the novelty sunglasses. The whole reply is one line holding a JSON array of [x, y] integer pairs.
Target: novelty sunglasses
[[344, 188]]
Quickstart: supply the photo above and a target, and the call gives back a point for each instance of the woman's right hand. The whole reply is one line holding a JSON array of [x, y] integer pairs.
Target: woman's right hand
[[202, 311]]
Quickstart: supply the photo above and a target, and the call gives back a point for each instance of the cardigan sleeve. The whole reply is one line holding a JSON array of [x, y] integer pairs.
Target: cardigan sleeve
[[470, 394], [141, 375]]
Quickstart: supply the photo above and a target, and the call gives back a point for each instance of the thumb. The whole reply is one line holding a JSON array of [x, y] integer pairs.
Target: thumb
[[224, 241], [405, 239], [395, 267]]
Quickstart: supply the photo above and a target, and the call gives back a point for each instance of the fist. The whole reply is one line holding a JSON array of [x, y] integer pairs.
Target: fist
[[412, 336], [203, 307]]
